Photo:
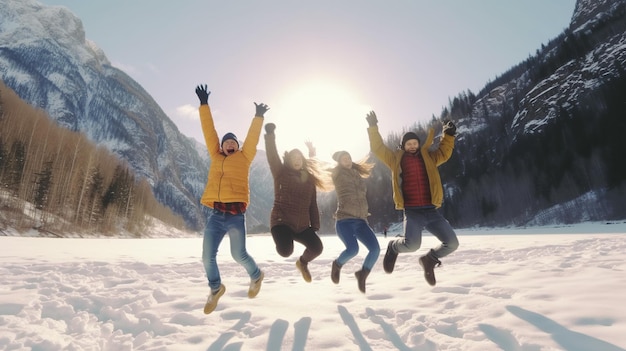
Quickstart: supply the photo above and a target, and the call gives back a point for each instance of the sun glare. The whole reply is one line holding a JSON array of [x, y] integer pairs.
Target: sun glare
[[328, 114]]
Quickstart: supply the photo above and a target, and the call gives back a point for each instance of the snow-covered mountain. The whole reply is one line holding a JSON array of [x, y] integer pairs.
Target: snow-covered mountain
[[576, 78], [536, 101], [543, 137], [47, 60]]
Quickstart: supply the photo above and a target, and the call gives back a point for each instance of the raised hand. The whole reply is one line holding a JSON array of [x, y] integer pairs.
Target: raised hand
[[203, 94], [269, 128], [449, 128], [372, 119], [261, 109]]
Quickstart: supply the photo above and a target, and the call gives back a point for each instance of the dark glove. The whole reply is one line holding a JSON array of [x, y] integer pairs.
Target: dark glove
[[261, 109], [203, 94], [371, 119], [449, 128], [269, 128]]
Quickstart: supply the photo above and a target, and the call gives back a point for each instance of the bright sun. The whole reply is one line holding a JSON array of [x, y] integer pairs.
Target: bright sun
[[328, 114]]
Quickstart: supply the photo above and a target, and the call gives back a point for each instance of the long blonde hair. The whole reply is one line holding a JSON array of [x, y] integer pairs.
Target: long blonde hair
[[362, 167]]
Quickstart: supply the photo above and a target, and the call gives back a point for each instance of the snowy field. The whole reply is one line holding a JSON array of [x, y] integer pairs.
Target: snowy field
[[537, 289]]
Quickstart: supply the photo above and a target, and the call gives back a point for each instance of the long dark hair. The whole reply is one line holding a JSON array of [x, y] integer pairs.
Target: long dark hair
[[311, 168]]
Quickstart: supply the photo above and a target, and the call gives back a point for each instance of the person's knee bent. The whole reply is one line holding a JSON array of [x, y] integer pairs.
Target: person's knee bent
[[207, 257], [351, 252], [453, 244], [316, 250], [284, 251], [208, 260], [375, 251], [411, 246], [239, 255]]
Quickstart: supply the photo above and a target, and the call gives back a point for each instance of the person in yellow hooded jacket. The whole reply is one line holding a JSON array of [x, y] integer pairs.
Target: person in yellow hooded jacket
[[418, 191], [227, 194]]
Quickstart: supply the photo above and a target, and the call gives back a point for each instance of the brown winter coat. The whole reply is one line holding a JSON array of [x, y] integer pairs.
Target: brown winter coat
[[228, 175], [432, 160], [295, 196], [351, 193]]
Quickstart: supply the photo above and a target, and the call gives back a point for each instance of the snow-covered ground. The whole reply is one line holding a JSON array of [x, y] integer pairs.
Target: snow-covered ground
[[534, 289]]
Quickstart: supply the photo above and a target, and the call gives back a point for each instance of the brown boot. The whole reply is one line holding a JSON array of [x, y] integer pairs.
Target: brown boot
[[213, 298], [334, 273], [389, 261], [361, 276], [428, 262], [304, 270]]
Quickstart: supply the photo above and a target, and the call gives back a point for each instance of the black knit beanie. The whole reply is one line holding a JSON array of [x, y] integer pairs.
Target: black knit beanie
[[229, 136], [408, 136]]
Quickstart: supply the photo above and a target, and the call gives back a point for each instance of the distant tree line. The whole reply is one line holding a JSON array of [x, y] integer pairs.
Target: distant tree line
[[580, 152], [56, 180]]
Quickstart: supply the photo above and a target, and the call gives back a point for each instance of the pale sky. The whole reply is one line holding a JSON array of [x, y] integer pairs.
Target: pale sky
[[320, 65]]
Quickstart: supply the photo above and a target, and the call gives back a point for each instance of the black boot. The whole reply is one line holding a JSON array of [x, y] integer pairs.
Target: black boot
[[361, 276], [334, 273], [428, 262], [390, 258]]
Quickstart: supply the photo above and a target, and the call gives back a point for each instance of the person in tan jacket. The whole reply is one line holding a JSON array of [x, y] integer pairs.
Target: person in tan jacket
[[227, 194], [417, 190], [351, 216], [295, 216]]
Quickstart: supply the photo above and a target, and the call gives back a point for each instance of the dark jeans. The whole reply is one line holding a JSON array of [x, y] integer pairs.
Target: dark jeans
[[415, 221], [285, 236]]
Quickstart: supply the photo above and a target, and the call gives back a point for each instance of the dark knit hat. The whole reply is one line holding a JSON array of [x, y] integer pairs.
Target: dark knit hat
[[408, 136], [337, 155], [229, 136]]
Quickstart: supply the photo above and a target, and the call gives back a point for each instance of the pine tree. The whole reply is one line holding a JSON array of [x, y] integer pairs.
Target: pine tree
[[43, 182]]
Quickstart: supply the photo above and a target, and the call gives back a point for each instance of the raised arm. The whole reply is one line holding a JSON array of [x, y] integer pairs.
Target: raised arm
[[270, 149], [249, 146], [312, 151], [206, 120], [377, 146], [446, 145]]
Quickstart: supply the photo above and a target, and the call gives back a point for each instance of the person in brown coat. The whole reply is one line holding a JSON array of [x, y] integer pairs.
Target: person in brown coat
[[295, 216]]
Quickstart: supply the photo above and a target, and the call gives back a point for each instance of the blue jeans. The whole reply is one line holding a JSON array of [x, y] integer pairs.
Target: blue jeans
[[352, 229], [415, 220], [218, 224]]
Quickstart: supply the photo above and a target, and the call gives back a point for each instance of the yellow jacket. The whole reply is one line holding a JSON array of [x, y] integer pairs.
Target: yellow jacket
[[432, 159], [228, 178]]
